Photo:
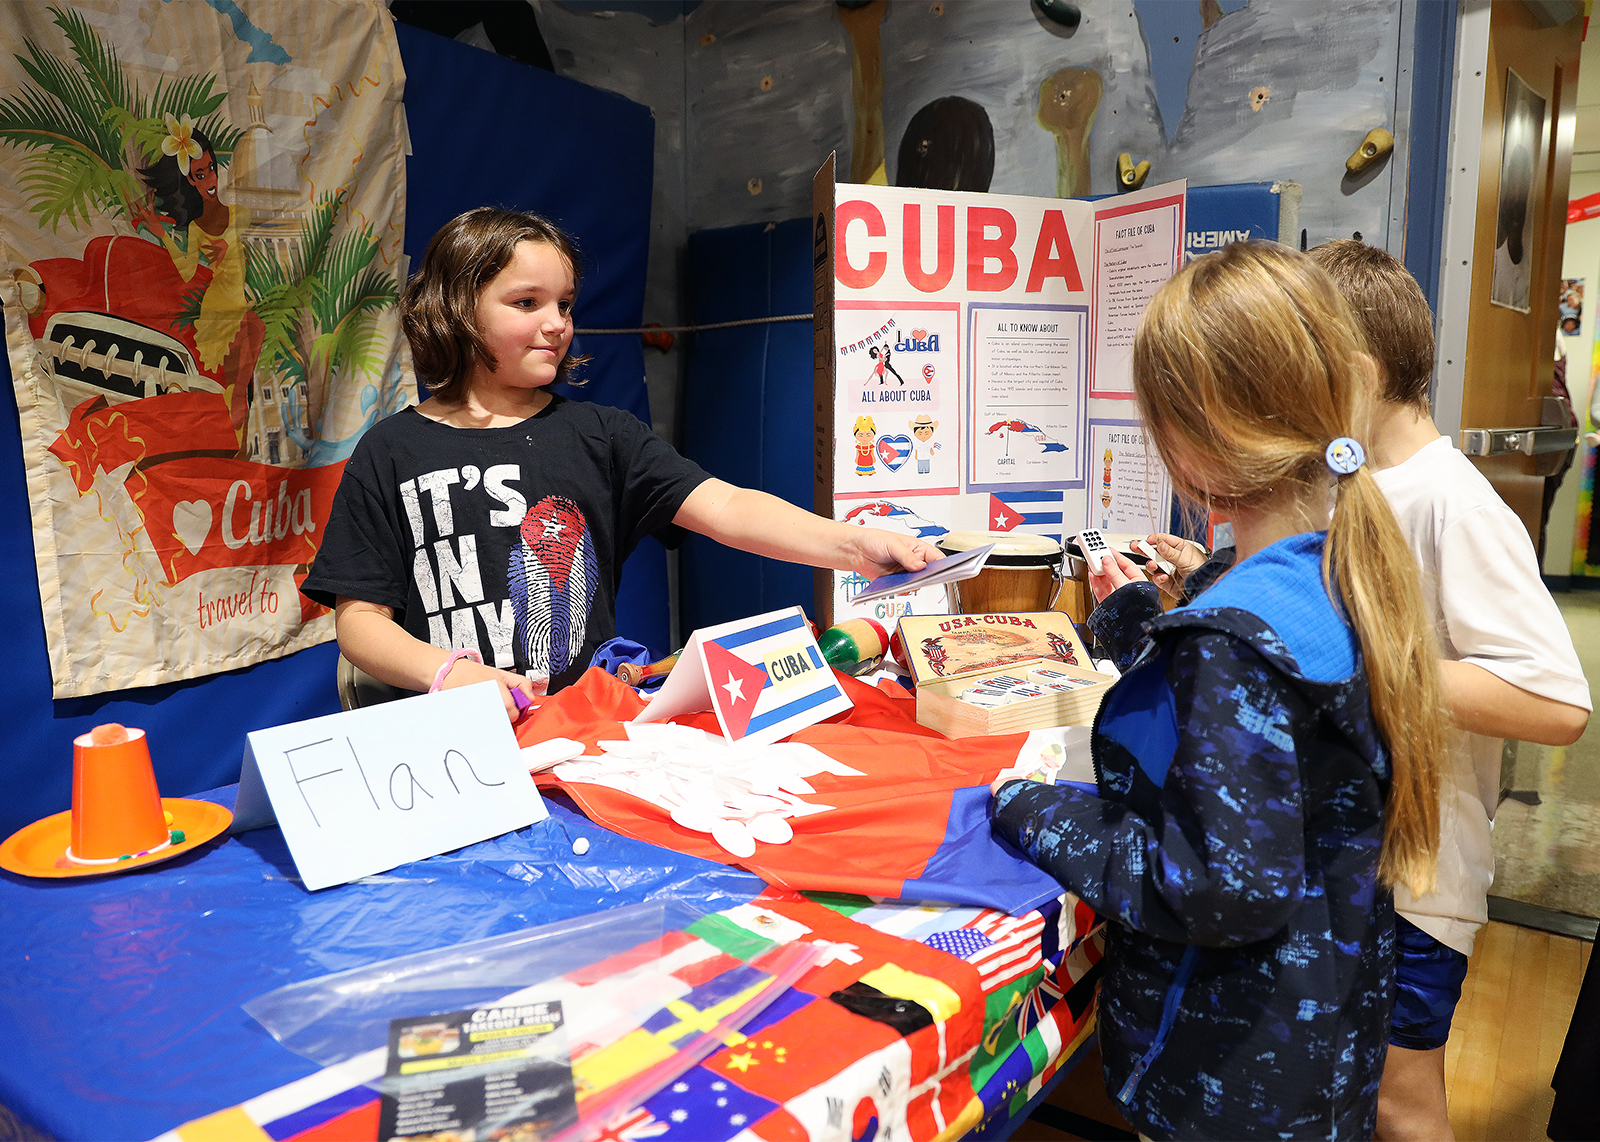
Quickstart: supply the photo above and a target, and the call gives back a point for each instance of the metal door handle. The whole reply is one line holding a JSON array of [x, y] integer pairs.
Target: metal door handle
[[1528, 441], [1556, 434]]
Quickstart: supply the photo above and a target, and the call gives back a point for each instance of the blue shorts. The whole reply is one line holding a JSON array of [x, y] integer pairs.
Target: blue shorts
[[1427, 985]]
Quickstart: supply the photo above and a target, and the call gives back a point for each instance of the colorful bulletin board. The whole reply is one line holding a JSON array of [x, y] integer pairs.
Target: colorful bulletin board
[[970, 351], [200, 250]]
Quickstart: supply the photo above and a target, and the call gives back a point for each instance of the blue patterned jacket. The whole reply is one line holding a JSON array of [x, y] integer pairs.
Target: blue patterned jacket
[[1234, 845]]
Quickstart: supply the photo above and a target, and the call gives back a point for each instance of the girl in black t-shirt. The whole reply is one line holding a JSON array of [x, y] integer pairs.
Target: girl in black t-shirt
[[496, 516]]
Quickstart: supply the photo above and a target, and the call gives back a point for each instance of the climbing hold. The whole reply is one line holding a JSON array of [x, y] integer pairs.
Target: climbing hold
[[1067, 103], [1129, 176], [753, 186], [1069, 16], [1377, 144], [766, 83], [1259, 97], [656, 337]]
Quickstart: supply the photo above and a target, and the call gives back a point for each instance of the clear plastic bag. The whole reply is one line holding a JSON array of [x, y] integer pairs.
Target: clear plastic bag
[[336, 1017], [610, 972]]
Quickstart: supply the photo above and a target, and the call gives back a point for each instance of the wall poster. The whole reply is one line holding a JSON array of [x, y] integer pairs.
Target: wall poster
[[1521, 158], [970, 348], [1570, 308], [1131, 494], [201, 243]]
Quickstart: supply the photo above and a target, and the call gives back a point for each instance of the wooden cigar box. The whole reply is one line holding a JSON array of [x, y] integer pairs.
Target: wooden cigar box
[[951, 654]]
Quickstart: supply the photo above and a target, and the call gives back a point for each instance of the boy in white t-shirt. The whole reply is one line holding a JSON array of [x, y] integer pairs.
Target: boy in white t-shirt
[[1508, 664]]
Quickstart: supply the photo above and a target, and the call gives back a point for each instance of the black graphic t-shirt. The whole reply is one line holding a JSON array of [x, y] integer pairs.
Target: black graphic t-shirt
[[509, 541]]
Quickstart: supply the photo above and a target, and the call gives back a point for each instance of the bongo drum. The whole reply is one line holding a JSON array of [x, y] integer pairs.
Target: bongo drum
[[1022, 573]]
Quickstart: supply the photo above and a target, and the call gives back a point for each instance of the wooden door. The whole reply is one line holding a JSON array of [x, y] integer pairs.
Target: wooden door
[[1510, 355]]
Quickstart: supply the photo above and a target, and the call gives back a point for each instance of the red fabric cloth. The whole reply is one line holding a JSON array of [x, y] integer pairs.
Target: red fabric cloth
[[885, 828]]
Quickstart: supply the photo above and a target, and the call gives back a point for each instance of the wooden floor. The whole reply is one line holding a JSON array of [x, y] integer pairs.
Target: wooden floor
[[1507, 1035], [1508, 1031]]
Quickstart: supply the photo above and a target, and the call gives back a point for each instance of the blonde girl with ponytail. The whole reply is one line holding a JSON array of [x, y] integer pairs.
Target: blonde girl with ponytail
[[1268, 762]]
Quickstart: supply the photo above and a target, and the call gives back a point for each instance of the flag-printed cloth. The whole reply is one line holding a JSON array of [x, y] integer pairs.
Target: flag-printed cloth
[[1003, 948], [891, 1035], [915, 825]]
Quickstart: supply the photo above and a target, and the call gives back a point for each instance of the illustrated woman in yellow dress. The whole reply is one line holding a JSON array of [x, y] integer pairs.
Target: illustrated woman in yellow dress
[[227, 333]]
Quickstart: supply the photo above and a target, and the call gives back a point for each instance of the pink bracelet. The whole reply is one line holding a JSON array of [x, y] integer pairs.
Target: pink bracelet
[[455, 657]]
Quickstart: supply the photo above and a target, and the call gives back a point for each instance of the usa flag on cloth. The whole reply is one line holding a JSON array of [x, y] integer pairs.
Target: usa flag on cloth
[[1036, 513], [1003, 948]]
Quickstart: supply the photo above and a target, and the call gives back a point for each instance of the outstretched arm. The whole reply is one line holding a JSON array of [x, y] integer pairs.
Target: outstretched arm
[[765, 525]]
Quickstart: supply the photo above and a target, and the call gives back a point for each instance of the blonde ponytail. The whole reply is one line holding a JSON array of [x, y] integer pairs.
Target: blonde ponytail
[[1246, 365], [1373, 574]]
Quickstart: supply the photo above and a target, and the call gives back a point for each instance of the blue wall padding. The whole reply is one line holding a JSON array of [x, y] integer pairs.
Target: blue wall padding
[[484, 130], [747, 407]]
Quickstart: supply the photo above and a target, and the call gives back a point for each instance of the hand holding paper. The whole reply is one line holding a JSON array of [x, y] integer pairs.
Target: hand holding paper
[[874, 552], [949, 569]]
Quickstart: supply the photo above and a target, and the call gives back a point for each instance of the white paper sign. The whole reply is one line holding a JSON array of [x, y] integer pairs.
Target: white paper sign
[[1130, 492], [1138, 245], [764, 677], [364, 791]]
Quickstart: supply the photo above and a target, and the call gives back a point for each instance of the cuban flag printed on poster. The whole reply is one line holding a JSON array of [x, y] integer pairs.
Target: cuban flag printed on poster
[[1037, 513], [764, 677]]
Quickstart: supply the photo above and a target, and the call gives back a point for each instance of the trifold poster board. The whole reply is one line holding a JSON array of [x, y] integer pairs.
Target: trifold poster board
[[367, 790], [973, 363]]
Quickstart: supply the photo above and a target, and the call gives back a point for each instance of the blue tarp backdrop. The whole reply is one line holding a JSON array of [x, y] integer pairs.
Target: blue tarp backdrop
[[484, 130]]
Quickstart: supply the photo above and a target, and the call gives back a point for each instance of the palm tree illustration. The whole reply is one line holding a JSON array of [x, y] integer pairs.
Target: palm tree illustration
[[86, 130], [321, 313], [86, 127]]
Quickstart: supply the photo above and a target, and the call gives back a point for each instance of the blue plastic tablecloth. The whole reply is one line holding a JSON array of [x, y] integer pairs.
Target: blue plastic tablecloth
[[119, 995]]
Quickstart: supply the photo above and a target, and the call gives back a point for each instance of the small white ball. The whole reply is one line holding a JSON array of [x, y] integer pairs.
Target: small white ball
[[580, 846]]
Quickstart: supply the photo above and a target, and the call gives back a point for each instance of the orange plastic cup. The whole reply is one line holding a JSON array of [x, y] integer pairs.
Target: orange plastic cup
[[116, 807]]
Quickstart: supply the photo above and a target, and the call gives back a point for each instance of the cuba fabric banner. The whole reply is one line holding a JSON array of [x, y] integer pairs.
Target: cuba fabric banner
[[201, 227]]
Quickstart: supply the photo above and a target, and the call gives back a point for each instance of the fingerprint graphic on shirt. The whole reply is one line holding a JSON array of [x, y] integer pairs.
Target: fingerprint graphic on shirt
[[552, 576]]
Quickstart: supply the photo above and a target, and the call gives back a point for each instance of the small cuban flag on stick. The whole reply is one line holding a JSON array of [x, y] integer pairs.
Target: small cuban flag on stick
[[764, 677]]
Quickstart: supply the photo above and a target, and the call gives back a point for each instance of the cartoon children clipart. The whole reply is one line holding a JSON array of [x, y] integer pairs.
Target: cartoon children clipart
[[924, 448], [866, 434]]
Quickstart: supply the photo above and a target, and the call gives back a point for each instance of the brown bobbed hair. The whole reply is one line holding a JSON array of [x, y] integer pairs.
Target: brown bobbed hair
[[1393, 314], [1246, 365], [439, 311]]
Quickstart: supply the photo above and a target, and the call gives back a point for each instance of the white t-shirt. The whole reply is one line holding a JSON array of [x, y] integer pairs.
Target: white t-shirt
[[1480, 580]]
